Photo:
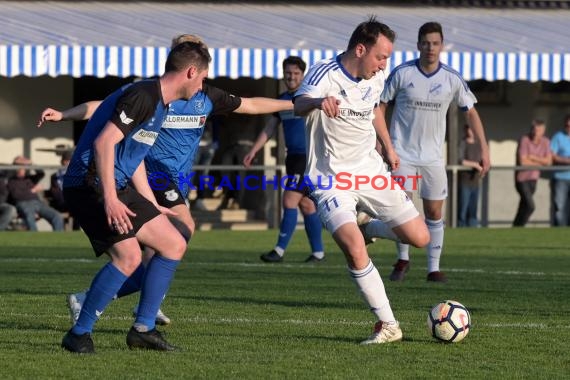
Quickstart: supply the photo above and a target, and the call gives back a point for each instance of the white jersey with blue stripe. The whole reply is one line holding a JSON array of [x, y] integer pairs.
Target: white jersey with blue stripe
[[138, 111], [345, 143], [421, 100]]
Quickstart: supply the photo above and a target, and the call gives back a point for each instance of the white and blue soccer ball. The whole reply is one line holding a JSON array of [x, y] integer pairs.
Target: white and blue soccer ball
[[449, 321]]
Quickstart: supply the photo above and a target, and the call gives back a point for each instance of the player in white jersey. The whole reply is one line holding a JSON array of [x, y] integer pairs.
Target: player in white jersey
[[422, 90], [339, 98]]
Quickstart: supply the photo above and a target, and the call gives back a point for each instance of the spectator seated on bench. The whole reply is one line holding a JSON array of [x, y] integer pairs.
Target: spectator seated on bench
[[24, 190]]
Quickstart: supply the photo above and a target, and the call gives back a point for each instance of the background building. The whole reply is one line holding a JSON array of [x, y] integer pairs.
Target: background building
[[514, 53]]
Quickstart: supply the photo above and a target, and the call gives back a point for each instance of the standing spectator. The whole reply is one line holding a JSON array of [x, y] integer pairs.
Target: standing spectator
[[469, 180], [24, 189], [7, 211], [533, 150], [560, 187]]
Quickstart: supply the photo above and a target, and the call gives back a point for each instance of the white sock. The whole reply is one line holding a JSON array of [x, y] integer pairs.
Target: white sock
[[372, 289], [403, 251], [378, 229], [280, 251], [435, 245], [319, 254]]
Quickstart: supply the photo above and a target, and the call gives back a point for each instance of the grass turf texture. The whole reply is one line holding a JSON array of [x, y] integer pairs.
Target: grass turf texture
[[237, 317]]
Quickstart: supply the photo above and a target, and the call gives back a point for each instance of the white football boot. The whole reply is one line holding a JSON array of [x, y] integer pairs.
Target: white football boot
[[161, 318], [75, 303], [384, 333]]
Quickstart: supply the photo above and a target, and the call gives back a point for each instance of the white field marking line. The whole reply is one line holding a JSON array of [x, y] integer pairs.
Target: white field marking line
[[282, 265], [303, 322]]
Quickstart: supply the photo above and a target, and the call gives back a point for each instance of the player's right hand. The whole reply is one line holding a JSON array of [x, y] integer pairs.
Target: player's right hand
[[49, 114]]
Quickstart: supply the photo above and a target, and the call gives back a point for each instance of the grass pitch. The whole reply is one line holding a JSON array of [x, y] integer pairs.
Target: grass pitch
[[237, 317]]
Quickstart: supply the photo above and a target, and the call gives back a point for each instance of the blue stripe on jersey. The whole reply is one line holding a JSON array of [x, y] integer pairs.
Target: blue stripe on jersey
[[454, 72], [320, 72], [398, 68]]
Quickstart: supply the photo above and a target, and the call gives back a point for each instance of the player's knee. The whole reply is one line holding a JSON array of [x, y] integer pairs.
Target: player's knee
[[128, 264], [307, 206], [421, 238]]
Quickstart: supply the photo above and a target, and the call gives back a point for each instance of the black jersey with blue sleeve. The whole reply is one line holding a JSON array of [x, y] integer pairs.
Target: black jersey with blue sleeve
[[138, 111], [175, 148]]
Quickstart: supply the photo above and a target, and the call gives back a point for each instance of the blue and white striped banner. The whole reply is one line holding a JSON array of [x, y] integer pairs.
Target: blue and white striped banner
[[126, 61]]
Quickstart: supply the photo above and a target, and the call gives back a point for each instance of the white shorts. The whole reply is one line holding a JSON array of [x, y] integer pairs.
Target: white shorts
[[389, 204], [431, 180]]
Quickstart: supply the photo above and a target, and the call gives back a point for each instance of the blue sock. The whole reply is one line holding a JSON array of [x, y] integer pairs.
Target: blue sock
[[133, 283], [288, 224], [158, 276], [105, 285], [313, 227]]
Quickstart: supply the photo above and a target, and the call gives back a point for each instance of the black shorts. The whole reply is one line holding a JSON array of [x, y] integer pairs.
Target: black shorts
[[295, 165], [170, 196], [86, 204]]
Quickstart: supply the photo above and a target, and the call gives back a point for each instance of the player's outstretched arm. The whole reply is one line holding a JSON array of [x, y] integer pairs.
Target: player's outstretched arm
[[305, 104], [260, 105], [80, 112]]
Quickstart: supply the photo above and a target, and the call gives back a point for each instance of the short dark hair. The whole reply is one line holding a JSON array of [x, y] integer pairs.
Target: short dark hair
[[188, 53], [294, 60], [367, 33], [430, 27], [186, 38]]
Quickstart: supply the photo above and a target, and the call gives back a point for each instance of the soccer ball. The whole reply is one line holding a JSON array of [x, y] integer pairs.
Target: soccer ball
[[449, 321]]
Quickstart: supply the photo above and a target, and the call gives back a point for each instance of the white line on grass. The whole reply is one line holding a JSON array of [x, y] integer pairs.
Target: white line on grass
[[282, 265], [303, 322]]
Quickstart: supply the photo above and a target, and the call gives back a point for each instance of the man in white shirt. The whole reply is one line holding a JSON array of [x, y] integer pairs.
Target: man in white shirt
[[422, 90], [339, 98]]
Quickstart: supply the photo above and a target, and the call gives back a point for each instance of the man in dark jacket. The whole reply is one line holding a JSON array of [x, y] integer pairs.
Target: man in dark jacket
[[24, 188]]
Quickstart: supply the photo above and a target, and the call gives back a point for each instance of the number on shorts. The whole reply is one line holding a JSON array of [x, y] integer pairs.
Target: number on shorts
[[328, 205]]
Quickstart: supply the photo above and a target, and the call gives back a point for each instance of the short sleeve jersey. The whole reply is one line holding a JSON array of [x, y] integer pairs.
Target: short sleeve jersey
[[345, 143], [293, 128], [138, 111], [527, 147], [173, 153], [421, 100], [560, 145]]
